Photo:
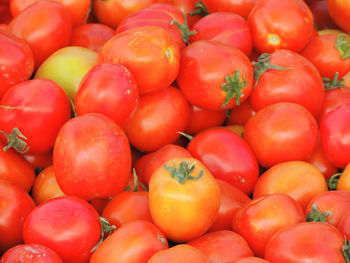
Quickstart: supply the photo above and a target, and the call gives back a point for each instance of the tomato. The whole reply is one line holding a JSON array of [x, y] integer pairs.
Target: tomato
[[45, 186], [92, 157], [298, 179], [35, 26], [184, 199], [251, 260], [16, 61], [281, 132], [272, 29], [240, 7], [5, 15], [134, 242], [77, 9], [287, 77], [179, 254], [149, 128], [39, 160], [92, 36], [51, 222], [334, 131], [148, 52], [30, 253], [107, 88], [214, 75], [259, 220], [111, 13], [227, 156], [41, 100], [226, 28], [232, 199], [344, 225], [67, 67], [297, 243], [321, 15], [241, 114], [340, 13], [16, 204], [222, 246], [344, 181]]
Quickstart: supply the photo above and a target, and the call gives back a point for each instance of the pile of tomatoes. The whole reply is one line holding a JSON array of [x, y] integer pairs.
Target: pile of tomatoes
[[153, 131]]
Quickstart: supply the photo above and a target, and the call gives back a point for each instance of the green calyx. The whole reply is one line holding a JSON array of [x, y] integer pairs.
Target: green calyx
[[318, 216], [346, 250], [106, 228], [185, 31], [262, 65], [16, 140], [137, 184], [233, 88], [183, 173], [332, 182], [343, 45], [333, 83], [200, 9]]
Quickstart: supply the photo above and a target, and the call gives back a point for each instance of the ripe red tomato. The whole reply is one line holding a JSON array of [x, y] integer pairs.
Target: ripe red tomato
[[240, 7], [272, 29], [214, 75], [16, 61], [52, 222], [281, 132], [148, 52], [134, 242], [36, 27], [340, 13], [92, 157], [110, 89]]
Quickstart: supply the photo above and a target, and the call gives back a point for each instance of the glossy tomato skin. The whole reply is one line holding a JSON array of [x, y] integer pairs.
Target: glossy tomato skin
[[281, 132], [30, 253], [334, 129], [339, 12], [272, 29], [17, 61], [38, 108], [109, 89], [259, 220], [35, 26], [134, 242], [222, 246], [227, 156], [204, 66], [297, 244], [16, 205], [240, 7], [149, 128], [298, 179], [299, 82], [183, 210], [92, 157], [228, 28], [55, 219]]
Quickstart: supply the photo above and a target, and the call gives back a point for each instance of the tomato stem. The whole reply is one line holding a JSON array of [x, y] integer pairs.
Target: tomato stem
[[333, 83], [343, 45], [187, 136], [233, 87], [185, 31], [16, 140], [318, 216], [332, 182], [136, 183], [183, 173], [200, 9], [346, 250], [106, 227]]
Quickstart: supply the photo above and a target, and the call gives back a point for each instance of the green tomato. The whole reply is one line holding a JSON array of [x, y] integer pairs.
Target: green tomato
[[67, 67]]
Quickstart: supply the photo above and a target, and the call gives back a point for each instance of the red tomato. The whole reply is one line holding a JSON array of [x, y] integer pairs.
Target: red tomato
[[31, 253], [92, 157], [272, 29], [227, 156], [251, 260], [110, 89], [344, 225], [321, 15], [297, 243], [227, 28], [53, 221], [214, 75], [16, 204], [37, 27], [148, 52], [340, 12], [92, 36], [259, 220], [39, 160], [334, 131], [281, 132], [241, 114], [298, 81], [38, 108], [157, 119], [184, 199], [298, 179], [16, 61], [222, 246], [134, 242], [240, 7], [179, 254], [5, 15]]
